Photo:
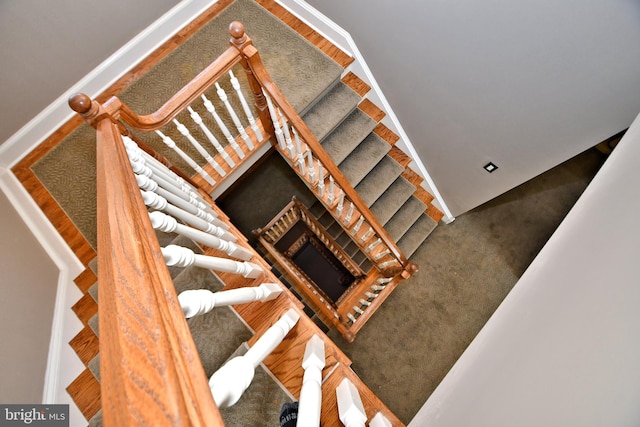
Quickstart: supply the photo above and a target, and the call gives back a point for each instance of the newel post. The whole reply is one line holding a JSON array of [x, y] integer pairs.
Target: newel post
[[91, 111], [241, 41]]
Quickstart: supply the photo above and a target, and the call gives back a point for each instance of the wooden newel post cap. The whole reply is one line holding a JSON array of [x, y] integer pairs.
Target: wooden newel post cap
[[80, 103], [236, 30]]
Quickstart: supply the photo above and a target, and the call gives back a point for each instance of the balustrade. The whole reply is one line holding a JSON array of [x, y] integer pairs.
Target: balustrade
[[200, 301], [230, 381], [179, 256], [140, 270], [311, 392], [350, 407]]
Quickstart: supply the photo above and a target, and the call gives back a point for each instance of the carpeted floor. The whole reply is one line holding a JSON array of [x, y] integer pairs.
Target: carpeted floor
[[466, 269]]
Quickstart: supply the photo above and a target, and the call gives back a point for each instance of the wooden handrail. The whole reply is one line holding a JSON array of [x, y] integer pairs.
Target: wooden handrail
[[243, 44], [150, 369], [178, 102]]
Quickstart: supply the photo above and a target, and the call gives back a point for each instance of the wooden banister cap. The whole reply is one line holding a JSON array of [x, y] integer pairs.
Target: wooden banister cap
[[80, 103], [236, 30]]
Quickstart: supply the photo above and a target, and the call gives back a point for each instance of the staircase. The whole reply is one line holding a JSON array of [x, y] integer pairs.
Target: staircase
[[349, 129]]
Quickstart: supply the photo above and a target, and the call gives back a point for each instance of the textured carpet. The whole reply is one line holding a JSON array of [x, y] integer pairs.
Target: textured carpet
[[301, 70], [466, 269]]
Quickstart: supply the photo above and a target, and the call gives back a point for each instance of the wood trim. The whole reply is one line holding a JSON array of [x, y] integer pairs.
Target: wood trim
[[85, 280], [85, 392], [85, 344], [56, 215], [411, 176], [356, 84], [423, 195], [142, 327], [371, 110], [399, 156], [435, 213], [385, 133], [85, 308]]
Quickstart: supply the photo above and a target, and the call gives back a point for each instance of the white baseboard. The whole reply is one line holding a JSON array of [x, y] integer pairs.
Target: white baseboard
[[99, 79]]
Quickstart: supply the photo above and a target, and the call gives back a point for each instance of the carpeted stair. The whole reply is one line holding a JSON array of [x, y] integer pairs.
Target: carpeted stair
[[331, 101], [219, 336]]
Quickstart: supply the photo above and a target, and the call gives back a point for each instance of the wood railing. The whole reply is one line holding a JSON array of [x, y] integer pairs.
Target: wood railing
[[318, 170], [150, 369]]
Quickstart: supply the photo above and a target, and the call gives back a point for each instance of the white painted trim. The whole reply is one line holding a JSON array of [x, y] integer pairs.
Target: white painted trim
[[62, 362], [99, 79], [341, 38]]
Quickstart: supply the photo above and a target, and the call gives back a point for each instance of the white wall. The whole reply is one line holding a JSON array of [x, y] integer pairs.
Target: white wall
[[47, 46], [525, 84], [563, 348], [28, 284]]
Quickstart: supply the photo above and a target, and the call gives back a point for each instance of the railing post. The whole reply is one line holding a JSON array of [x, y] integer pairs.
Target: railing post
[[147, 355], [240, 41]]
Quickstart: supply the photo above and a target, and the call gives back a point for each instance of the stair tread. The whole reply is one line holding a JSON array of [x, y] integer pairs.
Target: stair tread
[[351, 132], [390, 201], [85, 392], [329, 111], [404, 218], [378, 180], [93, 291], [93, 324], [96, 420], [364, 158], [260, 404], [94, 366], [230, 331], [417, 234]]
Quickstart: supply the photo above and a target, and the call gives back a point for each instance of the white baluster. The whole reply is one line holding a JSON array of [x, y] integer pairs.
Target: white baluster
[[148, 179], [374, 244], [331, 185], [370, 295], [171, 144], [232, 379], [350, 407], [357, 309], [380, 420], [201, 301], [191, 205], [179, 256], [347, 218], [388, 263], [299, 155], [340, 203], [236, 121], [351, 317], [381, 254], [232, 141], [214, 227], [356, 227], [311, 393], [204, 153], [136, 155], [287, 134], [366, 235], [168, 224], [245, 106], [312, 171], [214, 141], [276, 124], [364, 302]]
